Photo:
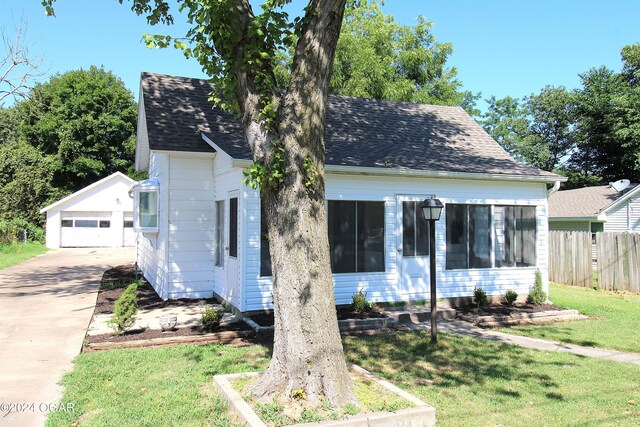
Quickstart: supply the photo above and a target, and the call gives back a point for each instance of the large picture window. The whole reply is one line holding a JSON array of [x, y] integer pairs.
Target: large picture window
[[482, 236], [356, 236]]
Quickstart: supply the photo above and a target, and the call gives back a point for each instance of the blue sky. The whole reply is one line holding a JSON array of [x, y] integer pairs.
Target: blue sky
[[501, 47]]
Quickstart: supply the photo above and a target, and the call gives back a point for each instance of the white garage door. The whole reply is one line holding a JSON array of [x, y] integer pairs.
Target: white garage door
[[85, 229]]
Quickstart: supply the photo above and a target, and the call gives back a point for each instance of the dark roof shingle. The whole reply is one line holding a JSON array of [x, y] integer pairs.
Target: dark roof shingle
[[359, 132]]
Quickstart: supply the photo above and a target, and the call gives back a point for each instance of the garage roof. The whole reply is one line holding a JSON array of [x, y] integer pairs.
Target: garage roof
[[113, 176]]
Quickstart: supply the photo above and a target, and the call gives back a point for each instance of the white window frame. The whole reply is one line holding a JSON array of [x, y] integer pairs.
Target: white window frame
[[149, 186]]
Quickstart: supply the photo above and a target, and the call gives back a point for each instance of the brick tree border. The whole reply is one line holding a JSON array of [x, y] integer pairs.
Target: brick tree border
[[421, 415]]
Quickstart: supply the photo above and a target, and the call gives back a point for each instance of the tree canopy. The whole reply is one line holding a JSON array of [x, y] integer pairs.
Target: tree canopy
[[376, 57], [590, 134], [84, 121], [70, 131]]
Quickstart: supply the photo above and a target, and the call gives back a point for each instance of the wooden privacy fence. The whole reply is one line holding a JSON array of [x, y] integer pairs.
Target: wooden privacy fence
[[570, 258], [618, 261], [617, 254]]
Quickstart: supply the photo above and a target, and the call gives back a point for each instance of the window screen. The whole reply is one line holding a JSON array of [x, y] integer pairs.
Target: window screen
[[457, 232], [476, 232], [356, 236], [415, 231]]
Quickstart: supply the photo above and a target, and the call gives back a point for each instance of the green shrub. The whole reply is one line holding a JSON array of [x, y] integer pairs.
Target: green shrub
[[480, 297], [211, 319], [359, 303], [12, 231], [511, 297], [125, 309], [537, 296]]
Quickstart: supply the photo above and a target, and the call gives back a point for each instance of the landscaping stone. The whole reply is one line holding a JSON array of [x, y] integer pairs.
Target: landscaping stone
[[523, 318], [421, 415], [347, 326]]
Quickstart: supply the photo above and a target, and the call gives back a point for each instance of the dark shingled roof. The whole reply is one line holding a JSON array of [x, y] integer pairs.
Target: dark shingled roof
[[360, 132], [585, 202]]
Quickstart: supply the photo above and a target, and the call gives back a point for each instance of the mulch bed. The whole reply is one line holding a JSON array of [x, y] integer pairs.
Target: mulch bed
[[115, 281], [146, 334], [507, 310], [113, 284], [344, 313]]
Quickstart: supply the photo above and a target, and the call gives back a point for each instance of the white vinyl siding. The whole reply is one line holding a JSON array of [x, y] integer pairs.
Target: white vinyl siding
[[152, 247], [382, 286], [190, 237], [624, 218]]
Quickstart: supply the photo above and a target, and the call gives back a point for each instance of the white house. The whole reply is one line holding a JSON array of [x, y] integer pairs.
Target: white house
[[601, 208], [201, 226], [100, 214]]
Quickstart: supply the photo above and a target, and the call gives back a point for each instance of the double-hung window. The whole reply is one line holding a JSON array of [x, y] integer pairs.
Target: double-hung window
[[483, 236]]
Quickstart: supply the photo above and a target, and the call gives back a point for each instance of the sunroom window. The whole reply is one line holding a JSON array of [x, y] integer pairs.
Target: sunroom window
[[145, 207], [483, 236]]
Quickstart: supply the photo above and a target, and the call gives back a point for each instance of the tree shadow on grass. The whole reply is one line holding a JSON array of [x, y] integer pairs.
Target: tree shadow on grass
[[410, 358]]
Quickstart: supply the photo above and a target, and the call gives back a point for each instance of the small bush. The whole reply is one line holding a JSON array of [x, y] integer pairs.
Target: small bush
[[12, 231], [211, 319], [511, 297], [359, 303], [125, 309], [537, 296], [480, 297]]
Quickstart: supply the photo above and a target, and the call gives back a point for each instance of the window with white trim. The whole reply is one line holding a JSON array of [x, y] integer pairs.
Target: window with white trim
[[356, 236], [485, 236], [145, 206]]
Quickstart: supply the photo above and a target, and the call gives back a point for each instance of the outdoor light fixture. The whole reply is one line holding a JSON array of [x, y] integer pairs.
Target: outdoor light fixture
[[431, 210]]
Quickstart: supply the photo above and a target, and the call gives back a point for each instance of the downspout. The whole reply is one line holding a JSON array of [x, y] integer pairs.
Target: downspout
[[556, 187]]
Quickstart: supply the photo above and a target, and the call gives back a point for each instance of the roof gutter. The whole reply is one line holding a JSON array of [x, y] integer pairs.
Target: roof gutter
[[556, 187], [361, 170]]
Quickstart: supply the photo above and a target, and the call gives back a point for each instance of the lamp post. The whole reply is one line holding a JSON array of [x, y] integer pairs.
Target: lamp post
[[431, 210]]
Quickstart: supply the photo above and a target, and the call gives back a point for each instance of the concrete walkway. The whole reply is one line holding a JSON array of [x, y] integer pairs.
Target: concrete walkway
[[466, 328], [46, 304]]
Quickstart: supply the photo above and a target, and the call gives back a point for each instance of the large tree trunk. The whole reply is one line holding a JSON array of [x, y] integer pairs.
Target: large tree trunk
[[307, 352]]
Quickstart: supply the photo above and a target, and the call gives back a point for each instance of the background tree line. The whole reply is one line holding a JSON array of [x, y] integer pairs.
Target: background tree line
[[590, 134], [68, 132], [79, 127]]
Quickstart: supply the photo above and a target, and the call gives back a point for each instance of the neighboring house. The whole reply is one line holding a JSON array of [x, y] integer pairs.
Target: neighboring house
[[596, 209], [100, 214], [201, 228]]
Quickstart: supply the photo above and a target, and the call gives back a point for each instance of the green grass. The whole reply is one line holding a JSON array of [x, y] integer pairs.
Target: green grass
[[468, 381], [153, 387], [371, 396], [18, 252], [615, 325]]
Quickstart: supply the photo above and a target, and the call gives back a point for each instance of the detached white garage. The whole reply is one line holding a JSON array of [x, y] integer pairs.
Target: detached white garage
[[99, 215]]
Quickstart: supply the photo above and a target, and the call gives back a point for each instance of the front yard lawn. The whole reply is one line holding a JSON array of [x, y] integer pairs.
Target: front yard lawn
[[615, 324], [469, 381], [18, 252]]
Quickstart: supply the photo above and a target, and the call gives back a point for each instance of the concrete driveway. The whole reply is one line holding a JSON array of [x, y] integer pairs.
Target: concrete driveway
[[46, 304]]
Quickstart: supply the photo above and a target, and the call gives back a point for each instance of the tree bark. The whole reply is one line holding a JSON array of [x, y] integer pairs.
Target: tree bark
[[307, 352]]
